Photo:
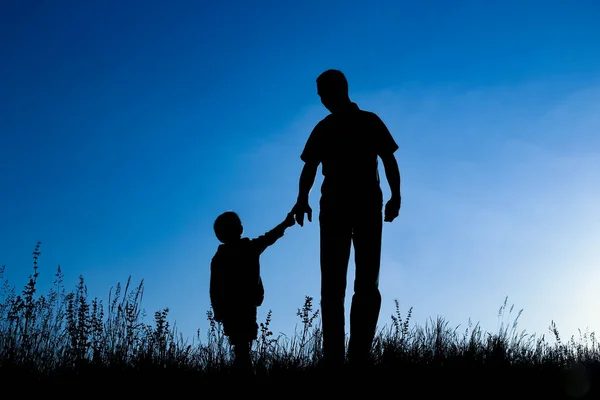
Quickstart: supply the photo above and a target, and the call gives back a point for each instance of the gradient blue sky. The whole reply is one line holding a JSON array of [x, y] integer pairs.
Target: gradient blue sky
[[126, 127]]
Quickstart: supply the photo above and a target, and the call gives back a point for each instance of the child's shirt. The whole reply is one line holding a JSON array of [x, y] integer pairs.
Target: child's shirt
[[235, 281]]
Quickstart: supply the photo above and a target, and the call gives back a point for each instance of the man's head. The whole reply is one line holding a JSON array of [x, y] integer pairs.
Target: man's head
[[332, 87], [228, 227]]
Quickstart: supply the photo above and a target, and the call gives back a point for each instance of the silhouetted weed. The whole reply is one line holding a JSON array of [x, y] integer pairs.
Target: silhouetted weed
[[66, 337]]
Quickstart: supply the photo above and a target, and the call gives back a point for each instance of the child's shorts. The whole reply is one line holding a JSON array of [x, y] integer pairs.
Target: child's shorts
[[241, 325]]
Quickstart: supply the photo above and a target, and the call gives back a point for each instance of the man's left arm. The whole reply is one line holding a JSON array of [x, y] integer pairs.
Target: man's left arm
[[386, 147], [392, 173]]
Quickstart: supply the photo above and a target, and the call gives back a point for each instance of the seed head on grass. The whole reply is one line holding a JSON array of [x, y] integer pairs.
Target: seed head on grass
[[63, 333]]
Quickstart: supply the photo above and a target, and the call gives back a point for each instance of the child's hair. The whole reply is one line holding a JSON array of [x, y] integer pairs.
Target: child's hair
[[228, 227]]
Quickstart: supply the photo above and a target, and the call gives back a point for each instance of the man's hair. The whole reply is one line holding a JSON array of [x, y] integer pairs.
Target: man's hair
[[226, 226], [332, 81]]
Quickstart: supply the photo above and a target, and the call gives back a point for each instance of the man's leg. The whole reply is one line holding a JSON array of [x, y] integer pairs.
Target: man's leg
[[336, 240], [366, 301]]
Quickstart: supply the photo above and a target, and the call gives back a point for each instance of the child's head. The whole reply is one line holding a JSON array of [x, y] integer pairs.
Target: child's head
[[228, 227]]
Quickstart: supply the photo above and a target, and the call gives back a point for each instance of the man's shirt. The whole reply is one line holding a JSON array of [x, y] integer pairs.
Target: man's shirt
[[347, 145]]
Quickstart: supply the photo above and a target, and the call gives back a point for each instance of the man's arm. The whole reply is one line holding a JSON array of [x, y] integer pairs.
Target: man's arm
[[307, 180], [312, 157], [386, 147], [392, 173]]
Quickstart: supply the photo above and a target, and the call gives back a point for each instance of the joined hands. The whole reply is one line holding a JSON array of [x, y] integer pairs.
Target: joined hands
[[289, 220]]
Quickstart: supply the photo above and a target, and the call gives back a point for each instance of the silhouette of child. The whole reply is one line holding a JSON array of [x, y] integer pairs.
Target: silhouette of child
[[236, 288]]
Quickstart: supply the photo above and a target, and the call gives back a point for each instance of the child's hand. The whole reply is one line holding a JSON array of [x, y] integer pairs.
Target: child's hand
[[289, 220]]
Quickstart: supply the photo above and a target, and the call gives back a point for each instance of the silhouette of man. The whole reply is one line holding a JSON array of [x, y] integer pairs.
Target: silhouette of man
[[347, 144]]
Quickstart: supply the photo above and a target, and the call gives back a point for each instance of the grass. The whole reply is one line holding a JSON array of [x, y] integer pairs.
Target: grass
[[65, 337]]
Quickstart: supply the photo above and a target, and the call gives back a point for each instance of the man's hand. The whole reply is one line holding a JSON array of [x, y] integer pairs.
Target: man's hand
[[301, 208], [392, 209]]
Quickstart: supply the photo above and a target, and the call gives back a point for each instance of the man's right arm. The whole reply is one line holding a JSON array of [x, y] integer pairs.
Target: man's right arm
[[312, 156], [307, 180]]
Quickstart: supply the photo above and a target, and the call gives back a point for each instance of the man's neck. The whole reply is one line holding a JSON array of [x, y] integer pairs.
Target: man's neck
[[345, 107]]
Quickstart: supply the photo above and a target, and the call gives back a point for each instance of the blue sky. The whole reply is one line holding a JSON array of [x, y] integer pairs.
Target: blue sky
[[127, 127]]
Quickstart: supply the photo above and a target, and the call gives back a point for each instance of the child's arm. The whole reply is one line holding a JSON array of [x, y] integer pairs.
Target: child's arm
[[216, 291], [269, 238], [260, 293]]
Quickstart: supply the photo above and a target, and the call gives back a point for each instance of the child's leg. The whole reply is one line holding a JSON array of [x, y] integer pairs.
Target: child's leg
[[242, 354], [242, 334], [241, 351]]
